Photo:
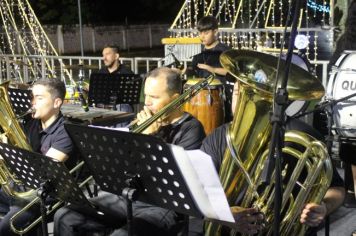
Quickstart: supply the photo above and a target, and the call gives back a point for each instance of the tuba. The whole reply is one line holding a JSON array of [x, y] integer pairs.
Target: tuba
[[14, 133], [248, 138]]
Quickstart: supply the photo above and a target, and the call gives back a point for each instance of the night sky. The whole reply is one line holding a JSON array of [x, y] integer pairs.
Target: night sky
[[106, 12]]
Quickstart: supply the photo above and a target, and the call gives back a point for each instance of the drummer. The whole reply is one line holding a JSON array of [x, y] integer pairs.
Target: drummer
[[207, 62]]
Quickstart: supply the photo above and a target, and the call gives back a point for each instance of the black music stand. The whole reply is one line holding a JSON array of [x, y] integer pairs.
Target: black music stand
[[49, 177], [20, 100], [136, 166], [114, 89]]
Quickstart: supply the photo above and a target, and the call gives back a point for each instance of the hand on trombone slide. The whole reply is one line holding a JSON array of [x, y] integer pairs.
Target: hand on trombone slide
[[144, 115]]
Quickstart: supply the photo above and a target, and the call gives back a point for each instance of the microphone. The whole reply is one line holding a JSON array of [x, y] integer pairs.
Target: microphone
[[82, 100], [178, 64]]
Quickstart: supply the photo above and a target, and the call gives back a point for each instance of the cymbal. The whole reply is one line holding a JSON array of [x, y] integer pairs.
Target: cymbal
[[259, 70], [81, 66]]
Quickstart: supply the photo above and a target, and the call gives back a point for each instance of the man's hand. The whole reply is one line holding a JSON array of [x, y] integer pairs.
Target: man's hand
[[206, 67], [313, 214], [144, 115], [247, 220]]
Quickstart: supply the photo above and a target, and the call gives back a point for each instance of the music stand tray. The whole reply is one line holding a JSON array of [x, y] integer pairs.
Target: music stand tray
[[20, 100], [123, 88]]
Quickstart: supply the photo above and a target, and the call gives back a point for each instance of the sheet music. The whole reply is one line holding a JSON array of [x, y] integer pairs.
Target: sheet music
[[199, 172], [124, 129]]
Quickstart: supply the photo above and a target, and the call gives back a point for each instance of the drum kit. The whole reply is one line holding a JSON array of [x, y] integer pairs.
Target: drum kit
[[208, 105], [341, 94]]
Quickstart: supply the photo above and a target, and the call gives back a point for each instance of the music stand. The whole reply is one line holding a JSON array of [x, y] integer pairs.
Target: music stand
[[20, 100], [114, 88], [136, 166], [49, 177]]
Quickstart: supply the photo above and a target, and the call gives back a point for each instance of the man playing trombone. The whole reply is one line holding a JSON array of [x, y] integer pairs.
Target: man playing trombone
[[162, 86]]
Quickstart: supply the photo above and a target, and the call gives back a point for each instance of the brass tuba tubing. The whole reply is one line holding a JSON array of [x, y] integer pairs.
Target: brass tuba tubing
[[249, 134], [16, 137]]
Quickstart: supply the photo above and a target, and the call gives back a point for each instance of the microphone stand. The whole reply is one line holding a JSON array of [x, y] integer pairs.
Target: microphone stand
[[278, 120], [329, 103], [79, 86]]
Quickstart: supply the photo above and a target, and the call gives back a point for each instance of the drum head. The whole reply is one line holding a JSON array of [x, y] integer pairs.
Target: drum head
[[342, 83], [296, 107], [192, 81]]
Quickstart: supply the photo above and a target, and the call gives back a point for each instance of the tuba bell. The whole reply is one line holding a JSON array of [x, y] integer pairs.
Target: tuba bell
[[248, 137], [15, 135]]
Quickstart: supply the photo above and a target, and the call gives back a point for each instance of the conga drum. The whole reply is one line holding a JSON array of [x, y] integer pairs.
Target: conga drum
[[208, 105]]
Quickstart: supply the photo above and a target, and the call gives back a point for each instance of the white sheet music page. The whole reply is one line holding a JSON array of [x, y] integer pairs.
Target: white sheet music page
[[203, 181], [124, 129]]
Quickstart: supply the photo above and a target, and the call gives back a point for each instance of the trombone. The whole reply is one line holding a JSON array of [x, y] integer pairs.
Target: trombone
[[37, 199], [173, 105]]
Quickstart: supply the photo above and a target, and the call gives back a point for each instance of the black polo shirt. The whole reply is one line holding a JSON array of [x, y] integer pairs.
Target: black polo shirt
[[54, 136], [122, 69], [186, 132]]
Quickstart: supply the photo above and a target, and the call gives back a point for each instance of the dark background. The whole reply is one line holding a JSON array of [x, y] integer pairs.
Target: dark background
[[106, 12]]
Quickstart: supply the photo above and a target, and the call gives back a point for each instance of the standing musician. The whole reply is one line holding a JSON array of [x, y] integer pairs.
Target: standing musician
[[112, 64], [46, 135], [313, 214], [162, 86], [207, 62], [111, 61]]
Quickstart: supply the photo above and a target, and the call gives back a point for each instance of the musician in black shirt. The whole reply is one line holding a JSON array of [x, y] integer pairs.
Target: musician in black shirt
[[162, 86], [313, 214], [208, 61], [111, 59]]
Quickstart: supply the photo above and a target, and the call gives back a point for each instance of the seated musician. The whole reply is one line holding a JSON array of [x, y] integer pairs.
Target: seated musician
[[162, 86], [46, 135], [312, 215]]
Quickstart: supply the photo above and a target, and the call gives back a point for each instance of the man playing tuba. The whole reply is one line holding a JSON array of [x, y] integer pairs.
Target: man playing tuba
[[312, 215]]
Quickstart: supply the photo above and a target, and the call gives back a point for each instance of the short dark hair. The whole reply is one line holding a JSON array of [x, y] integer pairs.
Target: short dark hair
[[114, 47], [174, 82], [55, 86], [207, 23]]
